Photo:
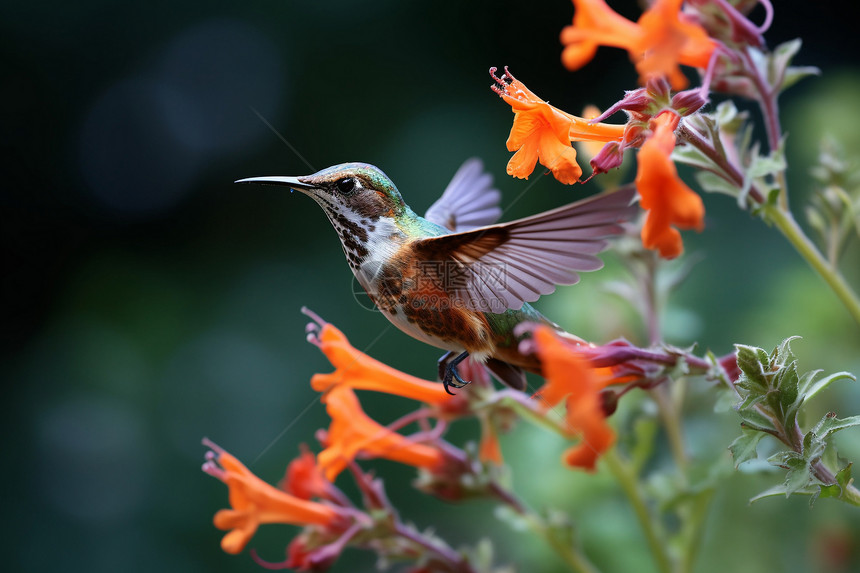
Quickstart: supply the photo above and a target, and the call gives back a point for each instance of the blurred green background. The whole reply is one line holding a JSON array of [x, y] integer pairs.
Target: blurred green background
[[149, 302]]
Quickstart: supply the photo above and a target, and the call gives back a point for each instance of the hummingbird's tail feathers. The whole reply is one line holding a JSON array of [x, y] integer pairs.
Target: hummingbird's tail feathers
[[500, 267], [469, 201], [508, 374], [572, 338]]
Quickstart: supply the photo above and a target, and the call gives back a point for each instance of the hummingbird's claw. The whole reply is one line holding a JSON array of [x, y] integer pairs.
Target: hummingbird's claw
[[448, 372]]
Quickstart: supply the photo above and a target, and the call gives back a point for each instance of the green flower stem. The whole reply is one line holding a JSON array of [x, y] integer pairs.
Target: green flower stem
[[795, 235], [536, 418], [672, 424], [454, 561], [851, 495], [784, 221], [770, 112], [623, 474], [694, 529], [722, 166], [568, 553], [627, 480]]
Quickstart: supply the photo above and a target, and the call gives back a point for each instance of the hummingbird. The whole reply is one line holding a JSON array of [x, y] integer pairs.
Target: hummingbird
[[456, 279]]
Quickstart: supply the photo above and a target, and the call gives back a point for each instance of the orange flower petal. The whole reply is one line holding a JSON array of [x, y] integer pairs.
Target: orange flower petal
[[255, 502], [569, 377], [576, 54], [357, 370], [669, 200], [559, 157], [352, 432], [489, 450], [524, 127], [541, 132], [523, 161], [658, 42], [597, 436], [303, 478], [669, 40], [595, 24]]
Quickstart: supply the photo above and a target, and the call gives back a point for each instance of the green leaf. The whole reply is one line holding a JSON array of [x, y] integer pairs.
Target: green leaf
[[830, 424], [727, 117], [813, 447], [780, 72], [771, 492], [689, 155], [771, 164], [794, 74], [787, 459], [843, 476], [836, 490], [782, 55], [781, 490], [783, 354], [713, 183], [753, 362], [726, 400], [513, 519], [755, 420], [750, 402], [786, 382], [799, 474], [744, 447], [824, 491], [797, 478], [809, 387]]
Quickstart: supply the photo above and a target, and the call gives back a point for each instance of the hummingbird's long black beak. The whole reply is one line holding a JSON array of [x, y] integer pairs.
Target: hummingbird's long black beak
[[292, 182]]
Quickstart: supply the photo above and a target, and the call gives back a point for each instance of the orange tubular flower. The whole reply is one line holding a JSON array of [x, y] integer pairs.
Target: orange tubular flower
[[255, 502], [667, 199], [543, 133], [304, 478], [662, 39], [569, 377], [357, 370], [489, 449], [352, 432]]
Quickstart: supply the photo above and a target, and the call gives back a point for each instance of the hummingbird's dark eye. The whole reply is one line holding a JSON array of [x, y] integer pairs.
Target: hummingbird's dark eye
[[346, 186]]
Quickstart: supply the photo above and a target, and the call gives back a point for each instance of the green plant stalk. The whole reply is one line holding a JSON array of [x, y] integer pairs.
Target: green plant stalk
[[787, 225], [574, 559], [694, 529], [625, 477], [537, 418], [784, 221], [851, 495], [672, 425], [569, 554], [627, 480]]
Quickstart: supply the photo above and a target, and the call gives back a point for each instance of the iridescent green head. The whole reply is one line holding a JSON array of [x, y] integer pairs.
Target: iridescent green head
[[348, 189]]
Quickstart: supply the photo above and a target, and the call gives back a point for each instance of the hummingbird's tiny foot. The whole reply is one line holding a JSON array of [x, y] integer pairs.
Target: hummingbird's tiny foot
[[451, 375], [448, 372], [460, 382]]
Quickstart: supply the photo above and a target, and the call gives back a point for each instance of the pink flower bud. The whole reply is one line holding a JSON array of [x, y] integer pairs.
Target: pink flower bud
[[608, 158], [689, 101]]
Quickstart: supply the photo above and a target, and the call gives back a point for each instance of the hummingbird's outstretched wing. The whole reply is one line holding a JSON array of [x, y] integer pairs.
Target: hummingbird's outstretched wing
[[498, 267], [469, 201]]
